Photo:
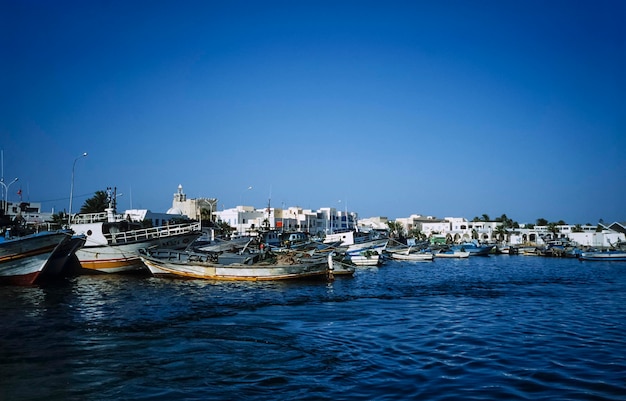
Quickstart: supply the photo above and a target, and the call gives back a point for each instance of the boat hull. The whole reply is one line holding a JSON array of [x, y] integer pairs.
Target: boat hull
[[415, 257], [365, 260], [454, 254], [607, 256], [30, 259], [474, 250], [124, 257], [181, 266]]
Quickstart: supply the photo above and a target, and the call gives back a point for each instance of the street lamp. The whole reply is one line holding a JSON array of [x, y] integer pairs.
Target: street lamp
[[241, 214], [69, 216], [6, 190]]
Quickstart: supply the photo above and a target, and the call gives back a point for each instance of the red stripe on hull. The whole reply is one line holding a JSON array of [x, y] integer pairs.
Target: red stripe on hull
[[26, 279]]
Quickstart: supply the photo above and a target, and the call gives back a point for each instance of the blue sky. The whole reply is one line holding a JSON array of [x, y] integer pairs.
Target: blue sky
[[442, 108]]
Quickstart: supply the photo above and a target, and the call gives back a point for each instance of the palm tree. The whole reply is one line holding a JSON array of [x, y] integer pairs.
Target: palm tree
[[58, 220], [96, 204], [205, 214], [224, 228], [395, 228], [501, 232], [506, 222], [542, 222], [552, 227], [418, 234], [486, 217]]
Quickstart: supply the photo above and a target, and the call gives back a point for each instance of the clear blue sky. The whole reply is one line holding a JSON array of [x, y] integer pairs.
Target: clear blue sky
[[443, 108]]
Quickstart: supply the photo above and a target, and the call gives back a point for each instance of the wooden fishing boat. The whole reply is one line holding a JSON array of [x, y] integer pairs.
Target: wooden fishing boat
[[246, 267]]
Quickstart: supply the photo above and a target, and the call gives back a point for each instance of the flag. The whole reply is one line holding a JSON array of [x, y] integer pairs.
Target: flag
[[19, 192]]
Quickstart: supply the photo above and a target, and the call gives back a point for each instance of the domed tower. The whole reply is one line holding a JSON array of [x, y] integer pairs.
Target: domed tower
[[180, 195], [179, 203]]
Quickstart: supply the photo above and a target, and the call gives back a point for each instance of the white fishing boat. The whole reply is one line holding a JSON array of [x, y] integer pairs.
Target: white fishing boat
[[113, 242], [607, 256], [451, 253], [365, 258], [411, 256]]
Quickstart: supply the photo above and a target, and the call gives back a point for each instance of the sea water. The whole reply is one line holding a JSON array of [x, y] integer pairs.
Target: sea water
[[483, 328]]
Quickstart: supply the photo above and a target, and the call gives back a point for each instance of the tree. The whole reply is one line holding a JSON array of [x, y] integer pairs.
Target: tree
[[486, 217], [96, 204], [577, 229], [553, 228], [224, 229], [542, 222], [58, 220], [395, 228], [501, 232], [506, 221], [206, 217], [418, 234]]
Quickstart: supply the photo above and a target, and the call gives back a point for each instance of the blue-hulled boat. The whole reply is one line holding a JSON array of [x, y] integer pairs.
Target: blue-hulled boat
[[609, 256], [474, 248]]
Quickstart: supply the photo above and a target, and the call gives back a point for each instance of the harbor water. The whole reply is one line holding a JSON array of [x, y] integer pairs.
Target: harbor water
[[483, 328]]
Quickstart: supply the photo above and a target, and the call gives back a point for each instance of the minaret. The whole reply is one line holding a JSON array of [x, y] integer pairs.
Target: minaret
[[180, 196]]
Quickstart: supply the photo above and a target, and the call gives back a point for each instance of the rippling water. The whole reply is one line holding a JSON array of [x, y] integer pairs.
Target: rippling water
[[498, 327]]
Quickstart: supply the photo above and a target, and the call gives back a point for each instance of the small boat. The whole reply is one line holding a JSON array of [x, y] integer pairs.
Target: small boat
[[338, 267], [452, 254], [34, 258], [411, 256], [608, 256], [113, 242], [473, 248], [503, 249], [365, 258], [243, 267], [356, 242], [285, 241]]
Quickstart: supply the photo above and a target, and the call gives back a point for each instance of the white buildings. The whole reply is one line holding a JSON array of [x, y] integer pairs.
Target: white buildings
[[459, 229], [191, 208], [317, 222]]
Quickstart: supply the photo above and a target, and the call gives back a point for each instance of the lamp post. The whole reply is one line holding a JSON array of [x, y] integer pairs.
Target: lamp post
[[6, 190], [241, 215], [69, 216]]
